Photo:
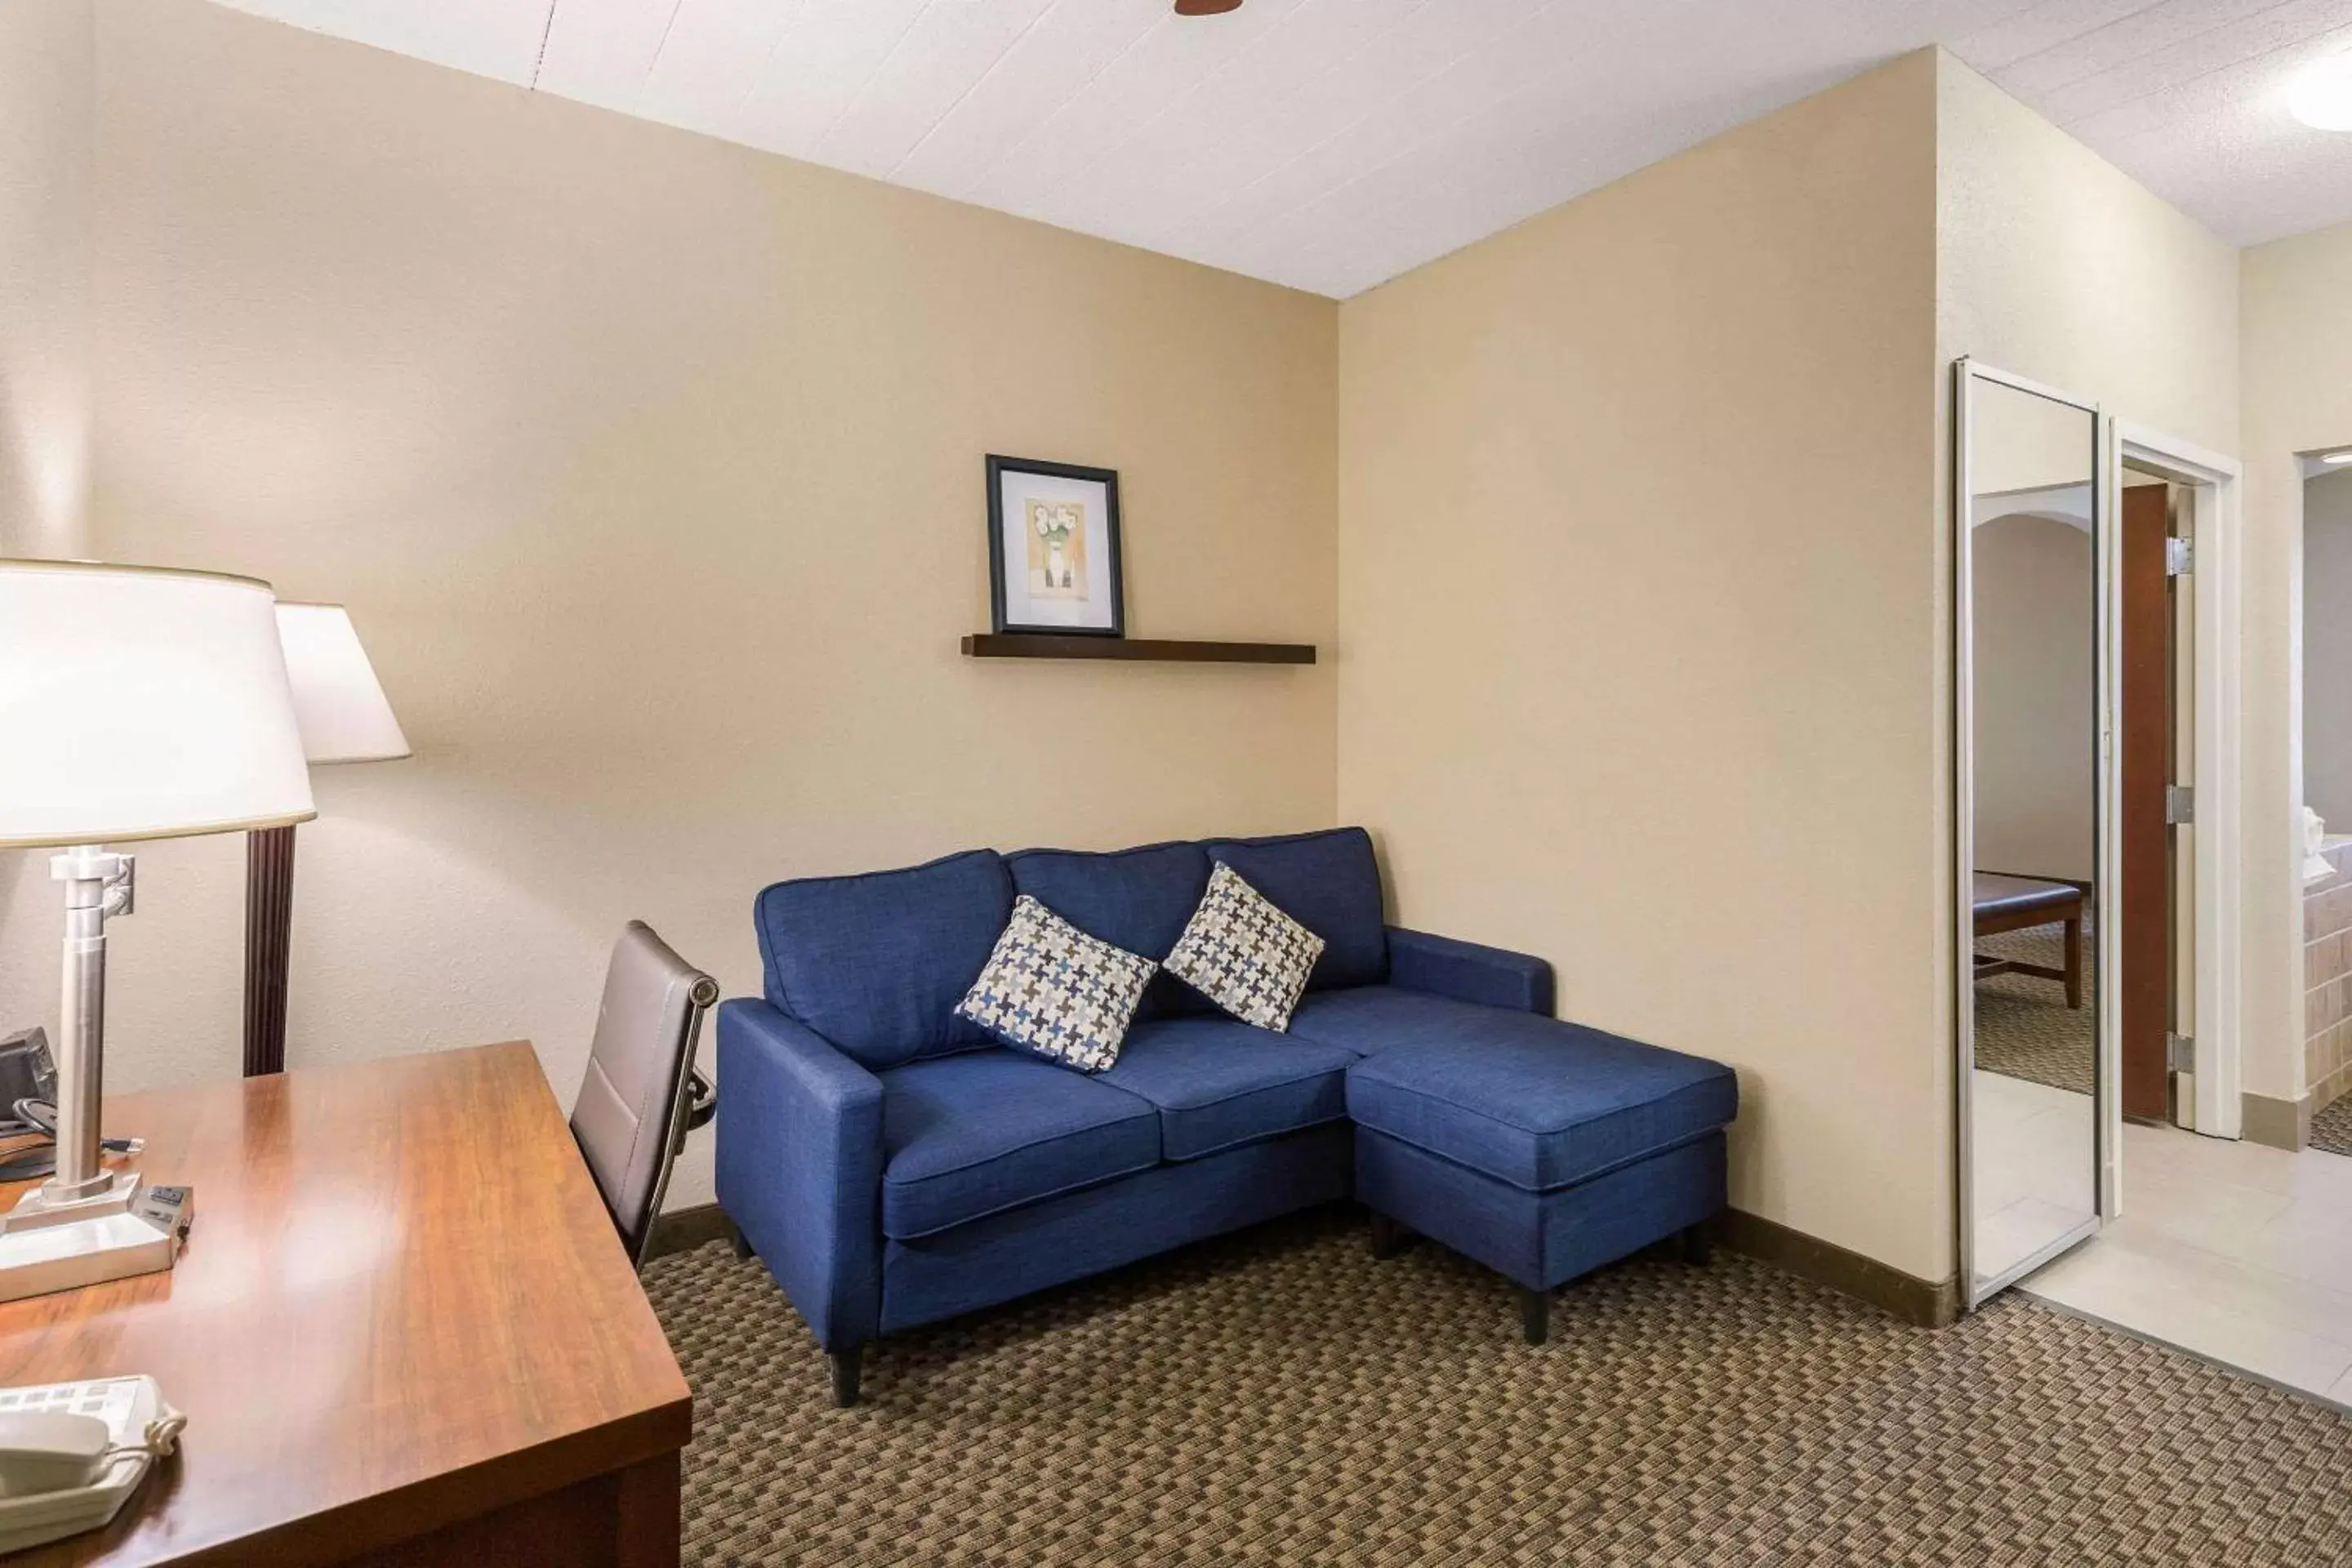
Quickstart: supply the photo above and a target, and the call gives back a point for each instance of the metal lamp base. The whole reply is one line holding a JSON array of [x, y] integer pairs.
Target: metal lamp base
[[87, 1223], [126, 1228]]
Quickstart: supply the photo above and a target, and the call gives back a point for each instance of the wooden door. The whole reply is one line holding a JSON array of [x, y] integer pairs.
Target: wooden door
[[2144, 936]]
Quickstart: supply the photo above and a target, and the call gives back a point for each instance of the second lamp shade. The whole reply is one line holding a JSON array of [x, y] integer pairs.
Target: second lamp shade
[[337, 700]]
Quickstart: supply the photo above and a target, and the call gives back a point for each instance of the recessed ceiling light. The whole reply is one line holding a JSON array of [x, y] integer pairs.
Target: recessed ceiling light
[[2321, 94], [2336, 459]]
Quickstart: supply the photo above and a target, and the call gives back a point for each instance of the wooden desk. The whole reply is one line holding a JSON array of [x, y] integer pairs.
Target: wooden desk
[[403, 1331]]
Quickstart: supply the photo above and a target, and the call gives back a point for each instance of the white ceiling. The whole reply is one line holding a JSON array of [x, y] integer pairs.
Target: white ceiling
[[1332, 144]]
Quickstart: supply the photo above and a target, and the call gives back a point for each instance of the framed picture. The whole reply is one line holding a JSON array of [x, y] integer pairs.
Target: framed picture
[[1053, 549]]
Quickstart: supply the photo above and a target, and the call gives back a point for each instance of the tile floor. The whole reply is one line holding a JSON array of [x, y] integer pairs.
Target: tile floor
[[2231, 1251]]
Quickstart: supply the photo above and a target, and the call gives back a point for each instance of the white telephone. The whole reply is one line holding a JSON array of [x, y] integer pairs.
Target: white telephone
[[72, 1453]]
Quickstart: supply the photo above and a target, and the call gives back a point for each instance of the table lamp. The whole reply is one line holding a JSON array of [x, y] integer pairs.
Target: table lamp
[[135, 702], [340, 710]]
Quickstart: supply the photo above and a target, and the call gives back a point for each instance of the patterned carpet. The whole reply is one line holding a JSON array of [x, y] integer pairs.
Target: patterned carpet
[[2331, 1129], [2024, 1028], [1279, 1397]]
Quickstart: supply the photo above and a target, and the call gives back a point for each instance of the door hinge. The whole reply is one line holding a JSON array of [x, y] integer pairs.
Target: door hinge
[[2179, 1053], [2179, 558], [2179, 806]]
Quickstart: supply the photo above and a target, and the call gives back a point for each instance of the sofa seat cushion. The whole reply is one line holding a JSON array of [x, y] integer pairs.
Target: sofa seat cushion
[[1369, 1019], [1535, 1102], [1218, 1083], [965, 1136]]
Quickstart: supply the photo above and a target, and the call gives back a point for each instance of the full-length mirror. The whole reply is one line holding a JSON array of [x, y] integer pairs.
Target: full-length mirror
[[2028, 638]]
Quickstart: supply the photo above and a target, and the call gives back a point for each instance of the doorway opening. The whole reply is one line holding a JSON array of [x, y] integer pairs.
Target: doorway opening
[[2156, 798], [2095, 833], [2217, 1244], [2328, 798]]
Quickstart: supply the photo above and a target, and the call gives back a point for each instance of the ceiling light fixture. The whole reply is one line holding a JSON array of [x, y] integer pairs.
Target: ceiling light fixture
[[2321, 94], [1206, 7]]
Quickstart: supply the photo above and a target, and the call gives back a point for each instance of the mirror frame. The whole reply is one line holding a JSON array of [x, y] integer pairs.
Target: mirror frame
[[1965, 373]]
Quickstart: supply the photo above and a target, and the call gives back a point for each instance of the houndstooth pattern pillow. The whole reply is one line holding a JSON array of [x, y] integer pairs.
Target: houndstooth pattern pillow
[[1244, 954], [1050, 988]]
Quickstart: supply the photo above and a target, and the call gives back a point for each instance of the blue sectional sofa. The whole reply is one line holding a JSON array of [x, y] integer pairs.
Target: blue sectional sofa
[[893, 1166]]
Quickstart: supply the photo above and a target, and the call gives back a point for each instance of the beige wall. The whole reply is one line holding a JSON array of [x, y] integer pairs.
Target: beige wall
[[651, 470], [2036, 703], [2053, 264], [46, 132], [1637, 612], [2297, 345], [2327, 648], [1681, 738]]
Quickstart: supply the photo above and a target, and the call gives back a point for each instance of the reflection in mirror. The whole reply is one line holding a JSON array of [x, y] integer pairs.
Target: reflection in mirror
[[2032, 998]]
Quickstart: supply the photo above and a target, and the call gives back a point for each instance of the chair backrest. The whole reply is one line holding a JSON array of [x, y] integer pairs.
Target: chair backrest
[[633, 1112]]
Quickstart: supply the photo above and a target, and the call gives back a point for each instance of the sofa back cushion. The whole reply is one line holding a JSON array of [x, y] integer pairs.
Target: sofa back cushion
[[1134, 899], [1329, 882], [876, 964]]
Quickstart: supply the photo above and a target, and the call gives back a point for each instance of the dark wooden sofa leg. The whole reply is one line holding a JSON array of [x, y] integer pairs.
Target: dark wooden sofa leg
[[1698, 1245], [846, 1366], [1534, 1314], [742, 1247], [1389, 1237]]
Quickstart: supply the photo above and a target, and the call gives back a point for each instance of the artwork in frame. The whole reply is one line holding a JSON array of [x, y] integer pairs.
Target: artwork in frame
[[1053, 549]]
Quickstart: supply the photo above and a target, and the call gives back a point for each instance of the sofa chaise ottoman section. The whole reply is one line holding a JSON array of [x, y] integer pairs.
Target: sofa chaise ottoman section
[[1540, 1148]]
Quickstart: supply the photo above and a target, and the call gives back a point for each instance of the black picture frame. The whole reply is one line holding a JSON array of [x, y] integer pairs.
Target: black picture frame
[[999, 621]]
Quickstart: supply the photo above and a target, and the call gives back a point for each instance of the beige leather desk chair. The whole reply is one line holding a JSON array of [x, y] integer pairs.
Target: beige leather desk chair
[[642, 1095]]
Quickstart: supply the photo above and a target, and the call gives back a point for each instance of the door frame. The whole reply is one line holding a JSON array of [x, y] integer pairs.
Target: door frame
[[2106, 1119], [2213, 1106]]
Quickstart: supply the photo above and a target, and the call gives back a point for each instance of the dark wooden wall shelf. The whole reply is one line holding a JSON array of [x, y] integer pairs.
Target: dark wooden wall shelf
[[1036, 645]]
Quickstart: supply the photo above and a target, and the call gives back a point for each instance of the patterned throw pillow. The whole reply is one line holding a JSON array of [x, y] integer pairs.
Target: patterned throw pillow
[[1244, 954], [1051, 988]]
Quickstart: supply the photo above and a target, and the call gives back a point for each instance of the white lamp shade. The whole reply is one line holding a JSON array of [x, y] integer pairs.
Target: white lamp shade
[[339, 705], [137, 702]]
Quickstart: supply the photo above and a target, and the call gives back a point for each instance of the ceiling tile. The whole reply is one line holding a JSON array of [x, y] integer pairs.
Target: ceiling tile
[[820, 64], [713, 60], [1071, 45], [950, 48], [2029, 31], [598, 51], [2191, 59], [2180, 24], [1333, 143], [488, 37]]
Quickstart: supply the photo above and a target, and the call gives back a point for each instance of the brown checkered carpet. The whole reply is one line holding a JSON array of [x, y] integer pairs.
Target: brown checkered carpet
[[1279, 1397], [2024, 1028], [2331, 1129]]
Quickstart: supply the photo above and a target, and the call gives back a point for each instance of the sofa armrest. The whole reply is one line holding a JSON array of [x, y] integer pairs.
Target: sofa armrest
[[1466, 972], [800, 1167]]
